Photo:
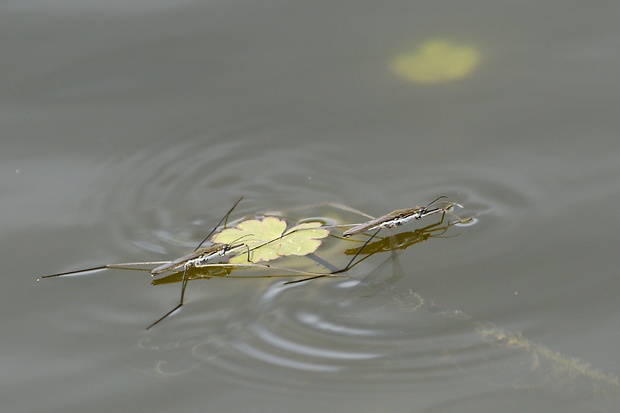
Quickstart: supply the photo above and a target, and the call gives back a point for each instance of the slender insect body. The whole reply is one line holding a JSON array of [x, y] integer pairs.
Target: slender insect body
[[206, 257], [391, 220], [202, 254], [197, 258], [398, 218]]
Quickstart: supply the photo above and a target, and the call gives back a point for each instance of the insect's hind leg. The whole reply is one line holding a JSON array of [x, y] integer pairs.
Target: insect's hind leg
[[183, 287]]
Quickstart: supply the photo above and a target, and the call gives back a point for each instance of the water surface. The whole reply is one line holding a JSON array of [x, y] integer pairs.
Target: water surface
[[129, 130]]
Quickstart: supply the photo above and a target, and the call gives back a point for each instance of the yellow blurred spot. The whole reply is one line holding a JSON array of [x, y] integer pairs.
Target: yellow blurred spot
[[436, 61]]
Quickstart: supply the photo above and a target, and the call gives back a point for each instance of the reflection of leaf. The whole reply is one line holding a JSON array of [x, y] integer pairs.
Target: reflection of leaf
[[267, 240]]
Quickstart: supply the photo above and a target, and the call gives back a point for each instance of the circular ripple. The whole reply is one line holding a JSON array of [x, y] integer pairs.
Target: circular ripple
[[168, 196], [332, 332]]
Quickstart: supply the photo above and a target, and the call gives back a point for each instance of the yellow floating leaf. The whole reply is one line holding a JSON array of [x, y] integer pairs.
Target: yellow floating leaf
[[267, 240], [302, 239], [436, 61]]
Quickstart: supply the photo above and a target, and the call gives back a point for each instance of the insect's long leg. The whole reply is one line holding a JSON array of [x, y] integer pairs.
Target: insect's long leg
[[186, 265], [314, 277], [345, 269], [183, 285], [119, 266], [328, 227], [127, 265], [187, 260], [224, 219], [336, 205], [289, 271], [348, 266], [396, 264], [352, 263], [436, 199], [459, 220]]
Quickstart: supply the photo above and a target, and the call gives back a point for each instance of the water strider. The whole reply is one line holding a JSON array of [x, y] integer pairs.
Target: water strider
[[196, 259], [399, 217], [393, 219], [200, 256], [163, 266]]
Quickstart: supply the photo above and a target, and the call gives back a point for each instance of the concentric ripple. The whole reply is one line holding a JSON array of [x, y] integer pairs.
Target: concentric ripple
[[263, 333], [168, 195], [333, 331]]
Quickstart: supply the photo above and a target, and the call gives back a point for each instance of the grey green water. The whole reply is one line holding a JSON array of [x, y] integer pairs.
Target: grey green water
[[128, 130]]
